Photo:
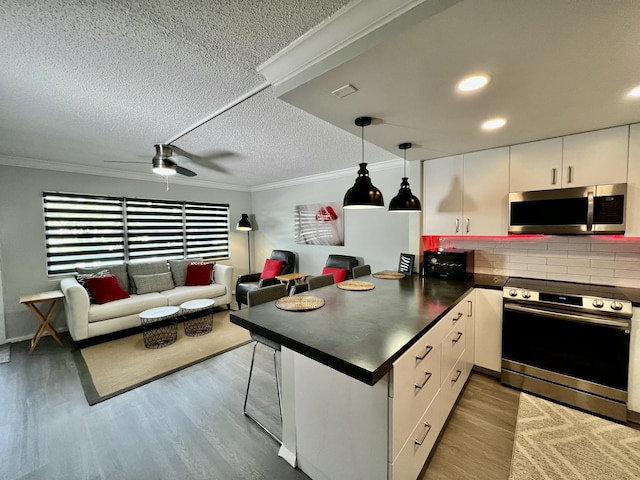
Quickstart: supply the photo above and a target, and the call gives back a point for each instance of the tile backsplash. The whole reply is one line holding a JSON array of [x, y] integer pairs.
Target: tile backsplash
[[610, 260]]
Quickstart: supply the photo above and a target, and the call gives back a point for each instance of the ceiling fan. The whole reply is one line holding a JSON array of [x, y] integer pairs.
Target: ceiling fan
[[162, 161]]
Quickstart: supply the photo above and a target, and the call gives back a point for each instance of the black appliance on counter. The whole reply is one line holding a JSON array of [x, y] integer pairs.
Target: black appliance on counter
[[568, 342], [451, 264]]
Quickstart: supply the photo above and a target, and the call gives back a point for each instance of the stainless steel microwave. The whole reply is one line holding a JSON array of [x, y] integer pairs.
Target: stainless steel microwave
[[592, 210]]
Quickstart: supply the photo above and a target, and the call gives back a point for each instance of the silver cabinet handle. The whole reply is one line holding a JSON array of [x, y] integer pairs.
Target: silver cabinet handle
[[554, 176], [569, 174], [428, 351], [458, 337], [454, 320], [468, 224], [470, 309], [427, 377], [424, 437], [454, 380], [457, 225]]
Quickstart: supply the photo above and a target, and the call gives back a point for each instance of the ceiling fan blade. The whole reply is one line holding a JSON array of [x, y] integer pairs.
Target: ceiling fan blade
[[185, 171], [122, 161]]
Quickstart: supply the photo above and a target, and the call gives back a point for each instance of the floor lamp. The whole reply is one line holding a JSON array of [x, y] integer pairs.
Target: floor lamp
[[244, 225]]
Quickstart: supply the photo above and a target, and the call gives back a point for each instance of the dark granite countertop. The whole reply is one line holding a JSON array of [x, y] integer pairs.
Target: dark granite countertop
[[361, 333]]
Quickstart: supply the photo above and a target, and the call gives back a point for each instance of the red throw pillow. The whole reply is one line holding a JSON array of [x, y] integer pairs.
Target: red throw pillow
[[105, 289], [339, 274], [271, 268], [198, 274]]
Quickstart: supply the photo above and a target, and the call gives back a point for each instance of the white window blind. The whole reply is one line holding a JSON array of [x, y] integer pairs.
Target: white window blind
[[86, 230]]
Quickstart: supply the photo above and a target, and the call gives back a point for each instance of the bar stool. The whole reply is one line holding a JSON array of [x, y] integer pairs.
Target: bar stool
[[257, 297]]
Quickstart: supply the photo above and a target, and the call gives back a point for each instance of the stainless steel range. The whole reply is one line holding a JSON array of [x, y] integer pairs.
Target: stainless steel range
[[568, 342]]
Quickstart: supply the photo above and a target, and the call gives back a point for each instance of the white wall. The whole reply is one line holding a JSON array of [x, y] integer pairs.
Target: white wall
[[375, 236], [22, 230]]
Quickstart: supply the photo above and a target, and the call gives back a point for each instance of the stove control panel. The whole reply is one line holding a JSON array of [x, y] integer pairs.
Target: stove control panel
[[578, 302]]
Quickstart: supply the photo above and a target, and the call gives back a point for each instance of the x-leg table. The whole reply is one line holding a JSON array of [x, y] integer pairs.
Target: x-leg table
[[44, 318]]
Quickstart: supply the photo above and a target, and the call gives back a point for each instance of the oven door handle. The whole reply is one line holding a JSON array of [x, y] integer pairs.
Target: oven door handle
[[623, 324]]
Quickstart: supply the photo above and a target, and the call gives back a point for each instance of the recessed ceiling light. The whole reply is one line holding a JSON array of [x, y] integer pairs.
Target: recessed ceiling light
[[473, 83], [634, 92], [494, 123]]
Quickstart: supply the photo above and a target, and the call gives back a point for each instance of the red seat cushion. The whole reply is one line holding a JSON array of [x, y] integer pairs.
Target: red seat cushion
[[339, 274], [271, 268], [198, 274], [105, 289]]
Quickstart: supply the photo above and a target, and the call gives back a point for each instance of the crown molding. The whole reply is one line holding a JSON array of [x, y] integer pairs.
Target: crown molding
[[345, 172], [106, 172], [349, 32]]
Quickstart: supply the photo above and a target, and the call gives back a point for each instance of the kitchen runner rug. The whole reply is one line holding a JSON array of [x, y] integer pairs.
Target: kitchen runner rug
[[556, 442], [114, 367]]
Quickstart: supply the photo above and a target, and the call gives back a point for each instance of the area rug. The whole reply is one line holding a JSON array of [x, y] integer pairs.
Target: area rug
[[111, 368], [557, 442]]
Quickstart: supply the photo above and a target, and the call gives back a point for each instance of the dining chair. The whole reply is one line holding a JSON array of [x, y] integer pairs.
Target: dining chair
[[298, 288], [361, 270], [258, 297], [320, 281]]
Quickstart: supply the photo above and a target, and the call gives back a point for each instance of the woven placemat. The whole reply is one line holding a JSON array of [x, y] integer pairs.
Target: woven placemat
[[356, 285], [389, 275], [299, 303]]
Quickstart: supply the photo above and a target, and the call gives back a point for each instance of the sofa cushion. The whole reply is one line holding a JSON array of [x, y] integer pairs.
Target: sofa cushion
[[180, 295], [105, 288], [133, 305], [271, 268], [81, 277], [179, 270], [147, 268], [156, 282], [120, 271], [199, 274], [339, 274]]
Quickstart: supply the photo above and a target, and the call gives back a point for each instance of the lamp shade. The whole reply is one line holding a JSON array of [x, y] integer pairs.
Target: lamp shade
[[405, 201], [244, 224], [364, 193]]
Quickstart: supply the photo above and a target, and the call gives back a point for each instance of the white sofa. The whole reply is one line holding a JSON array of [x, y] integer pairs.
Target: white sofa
[[86, 320]]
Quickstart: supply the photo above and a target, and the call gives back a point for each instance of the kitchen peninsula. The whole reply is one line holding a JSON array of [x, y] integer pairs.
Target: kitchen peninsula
[[368, 380]]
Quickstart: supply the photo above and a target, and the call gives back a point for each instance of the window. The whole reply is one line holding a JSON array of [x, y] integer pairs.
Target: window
[[87, 230]]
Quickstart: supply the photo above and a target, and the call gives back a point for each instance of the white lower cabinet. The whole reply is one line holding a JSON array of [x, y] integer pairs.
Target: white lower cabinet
[[488, 329], [425, 383]]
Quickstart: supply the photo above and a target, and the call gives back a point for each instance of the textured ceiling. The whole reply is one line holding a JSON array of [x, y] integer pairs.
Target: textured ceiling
[[84, 82]]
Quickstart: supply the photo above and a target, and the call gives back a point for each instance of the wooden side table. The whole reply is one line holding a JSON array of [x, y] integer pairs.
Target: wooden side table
[[292, 277], [30, 301]]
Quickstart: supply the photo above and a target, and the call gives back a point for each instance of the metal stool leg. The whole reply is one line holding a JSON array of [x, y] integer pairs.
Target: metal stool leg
[[246, 397]]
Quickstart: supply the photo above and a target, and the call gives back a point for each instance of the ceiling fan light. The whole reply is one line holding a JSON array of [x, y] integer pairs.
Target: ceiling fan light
[[164, 167]]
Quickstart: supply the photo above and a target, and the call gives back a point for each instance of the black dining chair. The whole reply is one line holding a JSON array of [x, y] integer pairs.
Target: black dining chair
[[298, 288], [258, 297], [361, 271], [320, 281]]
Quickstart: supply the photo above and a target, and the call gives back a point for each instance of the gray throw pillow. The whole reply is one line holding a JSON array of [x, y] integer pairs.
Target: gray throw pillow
[[119, 271], [146, 268], [179, 270], [156, 282]]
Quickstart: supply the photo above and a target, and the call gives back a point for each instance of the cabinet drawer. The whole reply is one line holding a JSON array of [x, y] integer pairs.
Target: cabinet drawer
[[414, 453], [411, 398], [453, 345], [453, 382]]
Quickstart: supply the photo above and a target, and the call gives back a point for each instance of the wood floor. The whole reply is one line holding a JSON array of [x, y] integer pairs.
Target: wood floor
[[190, 425]]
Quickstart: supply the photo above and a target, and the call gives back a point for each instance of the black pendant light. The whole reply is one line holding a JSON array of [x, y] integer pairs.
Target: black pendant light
[[405, 201], [363, 194]]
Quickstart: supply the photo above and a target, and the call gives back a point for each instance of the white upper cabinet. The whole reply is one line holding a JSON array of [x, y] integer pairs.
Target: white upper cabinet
[[595, 158], [442, 204], [467, 194], [590, 158], [633, 184], [536, 165]]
